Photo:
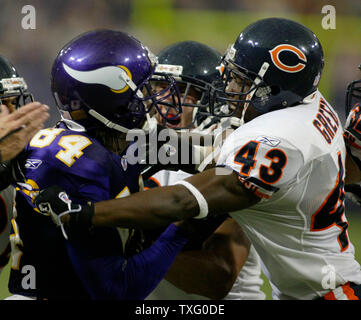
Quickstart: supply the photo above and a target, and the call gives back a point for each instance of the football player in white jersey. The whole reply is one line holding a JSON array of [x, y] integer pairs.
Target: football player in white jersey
[[193, 65], [6, 213], [353, 141], [13, 94], [281, 174]]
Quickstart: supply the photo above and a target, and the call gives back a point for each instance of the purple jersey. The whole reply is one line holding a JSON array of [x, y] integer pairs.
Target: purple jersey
[[88, 172]]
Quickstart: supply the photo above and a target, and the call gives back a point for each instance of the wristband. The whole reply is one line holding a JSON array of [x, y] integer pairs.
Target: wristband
[[83, 218], [202, 202], [79, 221]]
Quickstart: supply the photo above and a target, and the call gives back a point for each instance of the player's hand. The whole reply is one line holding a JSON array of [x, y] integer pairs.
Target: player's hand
[[18, 127], [353, 192], [55, 202]]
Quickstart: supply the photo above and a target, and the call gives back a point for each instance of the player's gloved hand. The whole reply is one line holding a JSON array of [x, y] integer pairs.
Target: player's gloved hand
[[55, 202], [352, 134], [353, 192]]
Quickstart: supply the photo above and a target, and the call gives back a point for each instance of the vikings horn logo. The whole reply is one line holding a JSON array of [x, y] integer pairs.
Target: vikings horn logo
[[114, 77]]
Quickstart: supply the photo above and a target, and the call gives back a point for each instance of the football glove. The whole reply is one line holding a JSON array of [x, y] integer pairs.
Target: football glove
[[55, 202]]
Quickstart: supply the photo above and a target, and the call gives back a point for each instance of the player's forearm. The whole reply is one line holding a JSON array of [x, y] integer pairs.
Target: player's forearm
[[133, 278], [204, 194], [160, 206], [147, 209]]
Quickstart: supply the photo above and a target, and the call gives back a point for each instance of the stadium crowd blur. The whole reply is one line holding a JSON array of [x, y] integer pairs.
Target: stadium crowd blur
[[33, 51]]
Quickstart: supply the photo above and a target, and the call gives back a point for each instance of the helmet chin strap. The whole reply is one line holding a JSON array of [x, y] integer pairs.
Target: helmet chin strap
[[309, 98], [261, 74], [230, 121], [73, 125], [236, 122], [107, 122], [132, 85], [150, 125]]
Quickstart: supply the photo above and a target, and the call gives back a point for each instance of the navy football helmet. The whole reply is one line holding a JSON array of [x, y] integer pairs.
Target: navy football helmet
[[353, 94], [194, 66], [103, 78], [276, 63], [13, 88]]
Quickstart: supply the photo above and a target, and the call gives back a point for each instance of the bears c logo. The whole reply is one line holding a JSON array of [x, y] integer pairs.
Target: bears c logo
[[275, 56]]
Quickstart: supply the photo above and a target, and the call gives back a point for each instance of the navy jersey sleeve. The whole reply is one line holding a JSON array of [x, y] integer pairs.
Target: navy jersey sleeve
[[114, 277]]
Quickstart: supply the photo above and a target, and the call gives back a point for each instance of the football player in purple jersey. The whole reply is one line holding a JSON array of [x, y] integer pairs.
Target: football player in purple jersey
[[101, 82]]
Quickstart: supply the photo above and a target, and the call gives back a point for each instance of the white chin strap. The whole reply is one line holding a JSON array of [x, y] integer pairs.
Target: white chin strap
[[232, 122], [72, 125], [132, 86], [261, 73], [107, 122], [310, 98], [150, 125]]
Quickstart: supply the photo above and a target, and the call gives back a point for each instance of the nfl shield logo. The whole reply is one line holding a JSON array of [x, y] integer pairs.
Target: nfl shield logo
[[124, 163]]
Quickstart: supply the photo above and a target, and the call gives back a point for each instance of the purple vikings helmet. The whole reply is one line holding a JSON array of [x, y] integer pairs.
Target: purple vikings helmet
[[102, 78]]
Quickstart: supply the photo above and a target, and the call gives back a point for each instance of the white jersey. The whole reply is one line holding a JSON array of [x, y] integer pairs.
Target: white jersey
[[248, 283], [294, 160], [7, 197]]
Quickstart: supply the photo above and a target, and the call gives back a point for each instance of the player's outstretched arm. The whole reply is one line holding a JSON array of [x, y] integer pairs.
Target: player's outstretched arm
[[160, 206], [212, 192], [127, 279]]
